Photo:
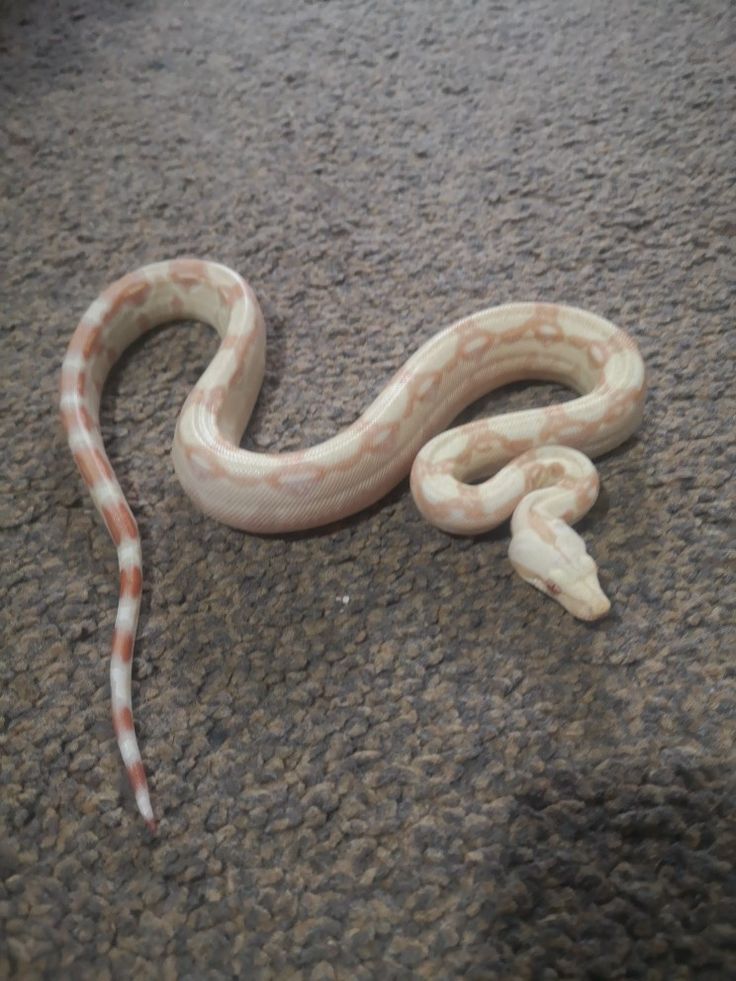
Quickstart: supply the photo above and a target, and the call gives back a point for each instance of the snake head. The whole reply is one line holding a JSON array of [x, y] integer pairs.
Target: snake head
[[554, 560]]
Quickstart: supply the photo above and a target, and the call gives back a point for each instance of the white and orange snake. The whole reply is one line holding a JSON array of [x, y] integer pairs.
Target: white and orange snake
[[532, 463]]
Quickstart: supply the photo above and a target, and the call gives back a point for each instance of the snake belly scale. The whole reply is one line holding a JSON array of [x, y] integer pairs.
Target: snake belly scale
[[532, 466]]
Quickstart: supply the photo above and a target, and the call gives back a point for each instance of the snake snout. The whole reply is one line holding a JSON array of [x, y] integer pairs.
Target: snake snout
[[585, 599]]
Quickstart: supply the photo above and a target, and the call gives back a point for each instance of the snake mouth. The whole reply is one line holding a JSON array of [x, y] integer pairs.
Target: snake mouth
[[586, 601], [583, 597]]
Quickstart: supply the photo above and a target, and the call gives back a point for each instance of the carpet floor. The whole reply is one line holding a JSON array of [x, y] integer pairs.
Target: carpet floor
[[374, 752]]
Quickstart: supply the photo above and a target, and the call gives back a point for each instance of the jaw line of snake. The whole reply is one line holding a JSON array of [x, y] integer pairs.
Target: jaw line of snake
[[586, 600], [583, 598]]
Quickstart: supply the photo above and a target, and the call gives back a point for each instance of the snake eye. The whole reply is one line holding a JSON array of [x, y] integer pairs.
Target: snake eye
[[552, 588]]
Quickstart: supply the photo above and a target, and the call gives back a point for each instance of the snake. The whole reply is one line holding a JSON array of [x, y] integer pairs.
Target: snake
[[533, 466]]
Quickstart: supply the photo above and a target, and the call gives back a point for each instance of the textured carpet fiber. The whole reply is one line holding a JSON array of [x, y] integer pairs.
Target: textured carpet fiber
[[374, 752]]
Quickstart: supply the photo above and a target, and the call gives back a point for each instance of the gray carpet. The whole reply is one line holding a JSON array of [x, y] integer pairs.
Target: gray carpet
[[374, 751]]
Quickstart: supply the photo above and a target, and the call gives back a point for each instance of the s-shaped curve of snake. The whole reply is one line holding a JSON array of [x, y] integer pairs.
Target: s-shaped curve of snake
[[531, 466]]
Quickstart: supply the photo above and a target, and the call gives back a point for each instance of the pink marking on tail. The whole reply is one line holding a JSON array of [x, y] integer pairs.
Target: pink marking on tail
[[131, 581], [122, 645], [120, 521]]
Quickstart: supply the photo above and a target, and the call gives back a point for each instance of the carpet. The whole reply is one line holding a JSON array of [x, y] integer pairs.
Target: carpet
[[374, 752]]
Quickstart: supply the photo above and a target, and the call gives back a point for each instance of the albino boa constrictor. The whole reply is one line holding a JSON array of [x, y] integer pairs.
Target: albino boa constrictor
[[530, 461]]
